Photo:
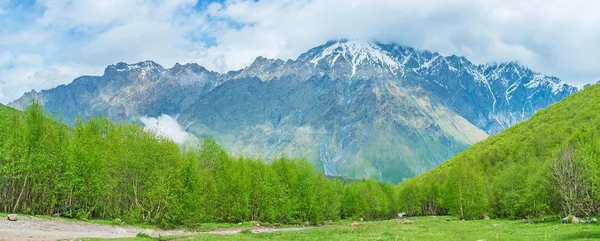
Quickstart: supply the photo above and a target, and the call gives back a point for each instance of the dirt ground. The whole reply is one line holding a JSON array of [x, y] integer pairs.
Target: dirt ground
[[28, 228]]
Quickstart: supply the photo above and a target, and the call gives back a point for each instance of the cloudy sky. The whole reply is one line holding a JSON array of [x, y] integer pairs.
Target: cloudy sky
[[45, 43]]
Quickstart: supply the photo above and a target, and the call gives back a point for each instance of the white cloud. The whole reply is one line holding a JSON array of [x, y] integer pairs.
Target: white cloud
[[555, 37], [24, 72], [68, 38], [166, 126]]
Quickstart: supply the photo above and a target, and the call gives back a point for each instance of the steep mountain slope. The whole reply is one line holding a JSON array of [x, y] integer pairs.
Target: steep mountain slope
[[364, 109], [365, 128], [515, 168]]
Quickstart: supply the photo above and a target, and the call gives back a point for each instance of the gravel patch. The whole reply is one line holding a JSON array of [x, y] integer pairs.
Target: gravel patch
[[28, 228]]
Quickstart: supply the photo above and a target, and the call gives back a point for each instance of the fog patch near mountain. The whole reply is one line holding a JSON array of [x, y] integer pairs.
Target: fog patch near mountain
[[166, 126]]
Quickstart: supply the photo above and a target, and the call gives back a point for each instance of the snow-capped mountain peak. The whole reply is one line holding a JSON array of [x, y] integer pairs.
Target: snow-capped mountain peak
[[346, 100], [355, 52]]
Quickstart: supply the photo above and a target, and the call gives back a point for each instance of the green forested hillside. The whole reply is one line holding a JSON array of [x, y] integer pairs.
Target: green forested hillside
[[99, 169], [547, 164]]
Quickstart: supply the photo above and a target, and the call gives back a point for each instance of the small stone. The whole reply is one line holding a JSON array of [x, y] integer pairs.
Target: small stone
[[573, 219], [594, 220], [495, 225], [12, 217], [118, 220], [485, 217], [56, 215]]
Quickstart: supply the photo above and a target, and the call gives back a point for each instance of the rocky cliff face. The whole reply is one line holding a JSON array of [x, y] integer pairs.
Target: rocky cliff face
[[360, 109]]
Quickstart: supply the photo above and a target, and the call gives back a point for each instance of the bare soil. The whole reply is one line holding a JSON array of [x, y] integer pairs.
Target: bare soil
[[29, 228]]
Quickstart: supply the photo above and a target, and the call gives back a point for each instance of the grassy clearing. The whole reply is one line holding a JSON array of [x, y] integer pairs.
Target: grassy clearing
[[426, 228], [207, 227]]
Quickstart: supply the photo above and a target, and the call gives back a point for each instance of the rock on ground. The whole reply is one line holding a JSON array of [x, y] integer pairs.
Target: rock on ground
[[574, 220], [151, 233]]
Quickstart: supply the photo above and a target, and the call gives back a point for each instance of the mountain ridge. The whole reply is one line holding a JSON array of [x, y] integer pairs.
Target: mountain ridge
[[358, 108]]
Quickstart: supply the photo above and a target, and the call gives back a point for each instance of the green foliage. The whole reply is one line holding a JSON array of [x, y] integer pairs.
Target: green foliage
[[511, 174], [142, 235], [99, 169], [464, 192], [369, 199]]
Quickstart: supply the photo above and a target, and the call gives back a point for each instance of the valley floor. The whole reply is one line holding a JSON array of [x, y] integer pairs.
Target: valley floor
[[429, 228], [416, 228], [51, 228]]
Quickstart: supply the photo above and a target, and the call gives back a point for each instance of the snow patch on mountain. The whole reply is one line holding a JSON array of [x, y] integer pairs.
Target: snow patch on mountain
[[555, 84], [356, 52]]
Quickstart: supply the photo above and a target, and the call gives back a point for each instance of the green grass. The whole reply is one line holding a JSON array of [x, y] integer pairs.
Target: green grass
[[423, 228], [206, 227], [428, 228]]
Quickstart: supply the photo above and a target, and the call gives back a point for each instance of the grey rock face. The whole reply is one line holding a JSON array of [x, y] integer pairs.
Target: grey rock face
[[359, 109]]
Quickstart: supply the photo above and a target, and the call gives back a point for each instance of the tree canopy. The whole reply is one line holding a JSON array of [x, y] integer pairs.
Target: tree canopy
[[547, 164], [100, 169]]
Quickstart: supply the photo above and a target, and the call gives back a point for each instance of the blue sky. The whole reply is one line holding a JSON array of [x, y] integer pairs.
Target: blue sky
[[44, 43]]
